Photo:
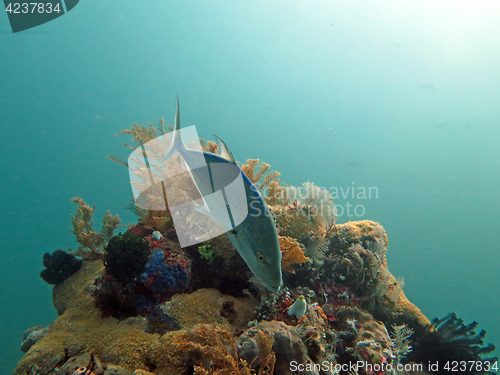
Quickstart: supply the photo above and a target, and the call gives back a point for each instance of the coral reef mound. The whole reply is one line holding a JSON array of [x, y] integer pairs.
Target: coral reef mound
[[137, 303]]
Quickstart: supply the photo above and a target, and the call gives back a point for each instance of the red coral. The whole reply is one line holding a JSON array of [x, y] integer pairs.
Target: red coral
[[140, 230]]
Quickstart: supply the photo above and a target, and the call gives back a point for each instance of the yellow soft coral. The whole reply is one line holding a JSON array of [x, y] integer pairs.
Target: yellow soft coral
[[291, 253], [141, 134], [91, 242], [255, 172], [209, 146]]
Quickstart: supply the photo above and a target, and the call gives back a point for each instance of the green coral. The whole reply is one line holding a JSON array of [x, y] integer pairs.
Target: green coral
[[207, 252]]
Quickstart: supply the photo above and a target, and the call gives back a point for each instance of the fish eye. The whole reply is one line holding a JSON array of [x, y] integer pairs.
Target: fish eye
[[261, 257]]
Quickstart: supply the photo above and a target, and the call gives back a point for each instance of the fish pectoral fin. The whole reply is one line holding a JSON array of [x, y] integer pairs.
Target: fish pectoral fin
[[201, 208], [205, 210]]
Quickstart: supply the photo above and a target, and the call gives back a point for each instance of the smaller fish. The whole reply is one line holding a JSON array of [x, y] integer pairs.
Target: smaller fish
[[298, 309], [89, 369], [157, 235], [83, 371]]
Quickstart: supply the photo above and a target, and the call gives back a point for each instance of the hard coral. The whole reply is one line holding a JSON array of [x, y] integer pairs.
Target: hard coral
[[209, 306], [287, 346], [353, 263], [32, 336], [59, 266], [210, 350], [367, 337]]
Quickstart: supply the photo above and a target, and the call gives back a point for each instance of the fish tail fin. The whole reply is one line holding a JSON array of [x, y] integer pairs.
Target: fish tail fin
[[176, 144]]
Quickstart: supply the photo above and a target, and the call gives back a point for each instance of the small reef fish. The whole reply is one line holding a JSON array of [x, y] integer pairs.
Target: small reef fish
[[83, 371], [298, 309], [256, 237], [156, 235], [89, 369]]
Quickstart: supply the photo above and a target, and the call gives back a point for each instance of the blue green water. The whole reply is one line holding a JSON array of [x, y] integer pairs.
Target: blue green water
[[401, 96]]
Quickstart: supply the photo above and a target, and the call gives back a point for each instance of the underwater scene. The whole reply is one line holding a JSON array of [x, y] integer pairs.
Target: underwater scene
[[250, 187]]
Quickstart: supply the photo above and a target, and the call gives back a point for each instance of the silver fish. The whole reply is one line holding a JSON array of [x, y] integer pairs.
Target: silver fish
[[255, 237]]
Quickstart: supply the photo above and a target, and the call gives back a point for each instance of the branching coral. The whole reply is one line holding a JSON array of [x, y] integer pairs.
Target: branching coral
[[274, 192], [255, 172], [91, 243], [141, 134], [291, 253], [209, 146]]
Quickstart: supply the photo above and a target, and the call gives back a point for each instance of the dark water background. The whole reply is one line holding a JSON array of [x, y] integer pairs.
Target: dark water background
[[401, 96]]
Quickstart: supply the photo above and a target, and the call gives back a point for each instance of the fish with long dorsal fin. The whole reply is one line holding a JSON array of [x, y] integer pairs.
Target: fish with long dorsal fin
[[255, 237]]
